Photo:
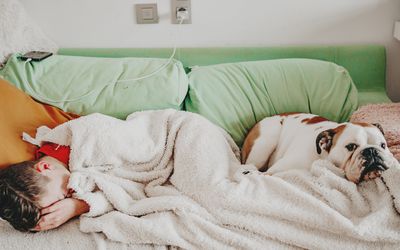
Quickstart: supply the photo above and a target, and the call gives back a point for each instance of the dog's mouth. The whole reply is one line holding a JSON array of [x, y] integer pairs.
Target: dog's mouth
[[372, 166]]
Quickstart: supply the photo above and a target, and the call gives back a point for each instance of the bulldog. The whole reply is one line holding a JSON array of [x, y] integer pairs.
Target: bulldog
[[295, 140]]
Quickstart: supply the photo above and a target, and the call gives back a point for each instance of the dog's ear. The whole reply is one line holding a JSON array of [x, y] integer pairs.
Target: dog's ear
[[324, 140], [379, 127]]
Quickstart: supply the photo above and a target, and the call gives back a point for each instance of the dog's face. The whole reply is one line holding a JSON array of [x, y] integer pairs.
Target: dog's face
[[359, 149]]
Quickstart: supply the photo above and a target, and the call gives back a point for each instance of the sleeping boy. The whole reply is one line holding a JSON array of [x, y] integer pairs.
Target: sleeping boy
[[34, 194], [118, 167]]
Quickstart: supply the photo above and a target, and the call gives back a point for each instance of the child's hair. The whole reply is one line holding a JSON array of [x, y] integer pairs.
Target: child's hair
[[21, 186]]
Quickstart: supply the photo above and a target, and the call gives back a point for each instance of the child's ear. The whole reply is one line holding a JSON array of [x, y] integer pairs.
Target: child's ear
[[41, 166]]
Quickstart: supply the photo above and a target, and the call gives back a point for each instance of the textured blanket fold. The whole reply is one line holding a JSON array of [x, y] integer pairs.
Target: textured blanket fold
[[172, 178]]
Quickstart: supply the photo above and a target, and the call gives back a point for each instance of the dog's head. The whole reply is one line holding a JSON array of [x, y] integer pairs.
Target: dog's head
[[360, 149]]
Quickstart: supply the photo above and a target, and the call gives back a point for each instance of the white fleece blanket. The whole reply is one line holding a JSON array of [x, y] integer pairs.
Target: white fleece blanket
[[171, 178]]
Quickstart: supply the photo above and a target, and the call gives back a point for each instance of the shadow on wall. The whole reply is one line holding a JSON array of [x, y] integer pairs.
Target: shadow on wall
[[356, 24]]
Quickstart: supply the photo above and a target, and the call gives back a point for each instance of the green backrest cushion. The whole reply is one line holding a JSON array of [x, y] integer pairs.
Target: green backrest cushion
[[365, 63], [237, 95], [61, 77]]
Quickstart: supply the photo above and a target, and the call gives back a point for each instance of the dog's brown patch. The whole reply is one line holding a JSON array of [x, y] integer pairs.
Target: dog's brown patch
[[363, 124], [289, 113], [338, 131], [314, 120], [370, 125], [347, 162], [249, 141]]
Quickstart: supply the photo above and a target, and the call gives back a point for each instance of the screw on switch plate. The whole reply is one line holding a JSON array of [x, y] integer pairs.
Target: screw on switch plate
[[177, 5], [146, 13]]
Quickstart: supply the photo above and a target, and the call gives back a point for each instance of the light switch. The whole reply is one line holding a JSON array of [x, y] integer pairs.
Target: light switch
[[146, 13]]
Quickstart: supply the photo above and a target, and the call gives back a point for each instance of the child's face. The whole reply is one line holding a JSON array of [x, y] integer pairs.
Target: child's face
[[58, 175]]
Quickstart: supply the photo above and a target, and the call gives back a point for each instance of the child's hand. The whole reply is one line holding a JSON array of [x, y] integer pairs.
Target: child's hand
[[60, 212]]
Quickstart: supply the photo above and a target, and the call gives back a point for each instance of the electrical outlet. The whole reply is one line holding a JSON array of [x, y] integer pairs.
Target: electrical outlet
[[178, 4]]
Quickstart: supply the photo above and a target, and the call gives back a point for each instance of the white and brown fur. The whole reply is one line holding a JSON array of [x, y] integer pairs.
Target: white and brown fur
[[295, 140]]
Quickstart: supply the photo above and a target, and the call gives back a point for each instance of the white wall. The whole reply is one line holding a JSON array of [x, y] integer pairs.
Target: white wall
[[108, 23]]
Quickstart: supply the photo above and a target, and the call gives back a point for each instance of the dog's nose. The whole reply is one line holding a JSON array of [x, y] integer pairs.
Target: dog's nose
[[369, 152], [373, 161]]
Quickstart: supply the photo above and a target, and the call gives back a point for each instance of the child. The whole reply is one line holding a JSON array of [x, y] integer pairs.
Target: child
[[34, 194]]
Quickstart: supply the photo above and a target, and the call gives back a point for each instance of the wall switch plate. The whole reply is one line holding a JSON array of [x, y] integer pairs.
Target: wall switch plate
[[146, 13], [176, 5]]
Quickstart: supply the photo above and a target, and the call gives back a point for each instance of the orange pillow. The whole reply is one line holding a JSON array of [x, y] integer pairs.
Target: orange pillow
[[20, 113]]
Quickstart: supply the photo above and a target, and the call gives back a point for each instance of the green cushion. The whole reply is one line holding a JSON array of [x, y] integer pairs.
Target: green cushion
[[237, 95], [372, 96], [85, 85], [365, 63]]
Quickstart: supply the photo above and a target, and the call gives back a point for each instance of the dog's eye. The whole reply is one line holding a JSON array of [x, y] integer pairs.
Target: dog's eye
[[383, 145], [351, 147]]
